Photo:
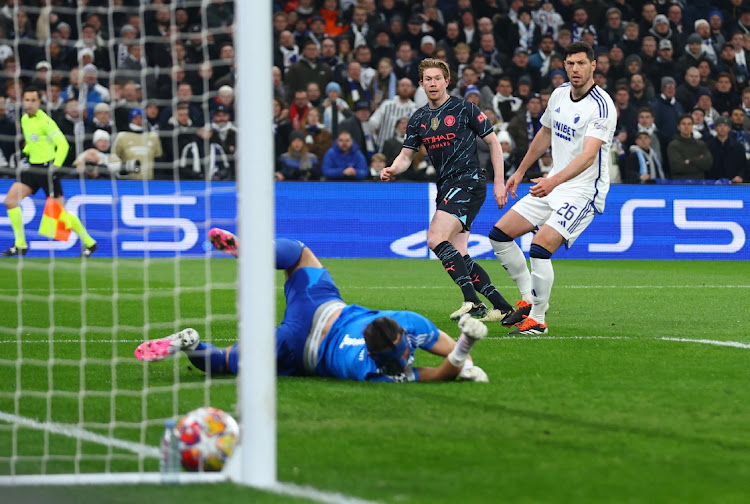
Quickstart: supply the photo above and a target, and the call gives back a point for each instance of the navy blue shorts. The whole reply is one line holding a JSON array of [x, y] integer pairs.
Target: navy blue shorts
[[462, 199]]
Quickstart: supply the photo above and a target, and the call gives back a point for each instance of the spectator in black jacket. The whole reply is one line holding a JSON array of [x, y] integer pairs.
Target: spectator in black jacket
[[729, 155]]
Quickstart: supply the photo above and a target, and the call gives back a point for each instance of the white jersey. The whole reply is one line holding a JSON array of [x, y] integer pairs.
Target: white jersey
[[570, 121], [386, 116]]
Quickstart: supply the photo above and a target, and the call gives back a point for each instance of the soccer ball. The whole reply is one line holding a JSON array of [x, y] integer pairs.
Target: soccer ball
[[206, 438]]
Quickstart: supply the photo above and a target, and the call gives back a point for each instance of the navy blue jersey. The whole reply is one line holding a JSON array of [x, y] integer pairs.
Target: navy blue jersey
[[449, 134]]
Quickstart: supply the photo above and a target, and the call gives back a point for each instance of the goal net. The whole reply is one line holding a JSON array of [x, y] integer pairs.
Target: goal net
[[145, 94]]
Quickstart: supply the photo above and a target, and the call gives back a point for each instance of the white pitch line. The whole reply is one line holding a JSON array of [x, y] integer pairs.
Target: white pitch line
[[561, 338], [733, 344], [79, 433], [314, 494]]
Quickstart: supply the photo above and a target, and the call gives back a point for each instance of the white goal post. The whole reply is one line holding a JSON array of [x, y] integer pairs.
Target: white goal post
[[254, 462]]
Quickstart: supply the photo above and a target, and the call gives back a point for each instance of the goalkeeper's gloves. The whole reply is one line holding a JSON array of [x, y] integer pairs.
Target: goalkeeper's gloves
[[472, 327], [473, 373]]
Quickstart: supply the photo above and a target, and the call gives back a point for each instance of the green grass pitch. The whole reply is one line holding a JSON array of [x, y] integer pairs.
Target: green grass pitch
[[612, 406]]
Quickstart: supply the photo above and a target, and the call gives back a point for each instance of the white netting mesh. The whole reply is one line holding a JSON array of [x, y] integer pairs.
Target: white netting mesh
[[73, 399]]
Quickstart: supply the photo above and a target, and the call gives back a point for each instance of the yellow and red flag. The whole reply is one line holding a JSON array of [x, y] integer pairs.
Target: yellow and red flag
[[54, 224]]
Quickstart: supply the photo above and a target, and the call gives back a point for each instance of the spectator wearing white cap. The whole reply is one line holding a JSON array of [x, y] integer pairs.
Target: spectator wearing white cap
[[128, 33], [42, 76], [703, 29], [665, 66], [102, 119], [97, 162], [661, 30], [134, 62], [667, 111], [92, 90], [132, 68], [62, 31], [224, 98], [427, 46], [89, 39], [85, 56]]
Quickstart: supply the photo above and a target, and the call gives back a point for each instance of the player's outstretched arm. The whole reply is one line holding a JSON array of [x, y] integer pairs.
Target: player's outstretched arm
[[400, 165], [443, 346], [472, 330], [542, 141]]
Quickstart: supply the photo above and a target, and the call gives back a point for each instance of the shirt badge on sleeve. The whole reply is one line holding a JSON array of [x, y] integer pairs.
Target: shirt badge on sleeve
[[34, 137]]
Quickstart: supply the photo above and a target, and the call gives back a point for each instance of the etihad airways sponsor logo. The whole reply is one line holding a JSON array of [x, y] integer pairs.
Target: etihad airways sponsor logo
[[436, 141]]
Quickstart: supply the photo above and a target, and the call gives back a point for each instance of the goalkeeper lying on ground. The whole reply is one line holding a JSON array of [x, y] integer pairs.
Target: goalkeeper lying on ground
[[323, 336]]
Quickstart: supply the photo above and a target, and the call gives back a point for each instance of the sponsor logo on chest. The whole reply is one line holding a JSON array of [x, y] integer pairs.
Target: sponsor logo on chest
[[443, 139], [564, 125]]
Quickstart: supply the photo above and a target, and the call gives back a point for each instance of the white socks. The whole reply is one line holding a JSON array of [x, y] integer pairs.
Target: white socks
[[512, 258], [542, 278]]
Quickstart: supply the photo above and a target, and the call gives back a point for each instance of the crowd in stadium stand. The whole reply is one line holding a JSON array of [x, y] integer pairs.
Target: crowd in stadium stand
[[141, 90], [146, 89], [345, 76]]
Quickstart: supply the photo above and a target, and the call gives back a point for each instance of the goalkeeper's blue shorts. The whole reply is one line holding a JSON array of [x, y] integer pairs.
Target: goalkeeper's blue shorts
[[305, 291]]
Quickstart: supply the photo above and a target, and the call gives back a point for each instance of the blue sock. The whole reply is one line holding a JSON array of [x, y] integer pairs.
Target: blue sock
[[498, 235], [539, 252], [207, 356], [288, 252]]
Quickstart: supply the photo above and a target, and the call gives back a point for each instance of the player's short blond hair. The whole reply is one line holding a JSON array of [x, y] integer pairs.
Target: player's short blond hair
[[434, 63]]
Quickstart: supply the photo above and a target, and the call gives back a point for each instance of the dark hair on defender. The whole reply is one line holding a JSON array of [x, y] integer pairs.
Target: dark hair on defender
[[579, 47]]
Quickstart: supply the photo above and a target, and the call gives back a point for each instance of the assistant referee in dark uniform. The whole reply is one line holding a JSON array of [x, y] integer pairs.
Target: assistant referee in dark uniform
[[46, 148]]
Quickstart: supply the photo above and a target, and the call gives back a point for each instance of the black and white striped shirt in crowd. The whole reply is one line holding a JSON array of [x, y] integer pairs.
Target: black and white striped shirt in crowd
[[386, 116]]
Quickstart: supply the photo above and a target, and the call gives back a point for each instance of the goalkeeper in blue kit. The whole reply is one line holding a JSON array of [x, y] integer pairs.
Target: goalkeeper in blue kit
[[46, 148], [320, 335]]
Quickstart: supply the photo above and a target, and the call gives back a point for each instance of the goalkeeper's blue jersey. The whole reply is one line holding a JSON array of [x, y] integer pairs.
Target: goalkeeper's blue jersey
[[343, 353]]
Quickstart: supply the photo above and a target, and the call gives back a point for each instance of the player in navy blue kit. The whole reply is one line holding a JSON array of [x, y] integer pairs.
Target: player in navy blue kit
[[448, 128], [321, 335]]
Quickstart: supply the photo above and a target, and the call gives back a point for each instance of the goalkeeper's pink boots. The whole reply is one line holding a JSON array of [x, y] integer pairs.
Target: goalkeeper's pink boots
[[160, 349], [224, 240]]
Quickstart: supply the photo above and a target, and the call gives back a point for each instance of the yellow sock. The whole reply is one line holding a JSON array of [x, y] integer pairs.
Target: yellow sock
[[77, 226], [16, 222]]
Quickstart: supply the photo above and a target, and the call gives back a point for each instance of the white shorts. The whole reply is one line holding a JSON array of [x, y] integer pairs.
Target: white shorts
[[568, 213]]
